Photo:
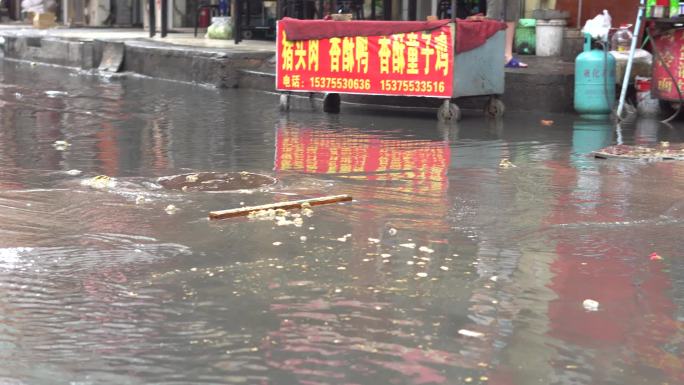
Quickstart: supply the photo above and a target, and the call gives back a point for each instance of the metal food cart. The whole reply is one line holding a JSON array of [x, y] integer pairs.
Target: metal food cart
[[477, 72]]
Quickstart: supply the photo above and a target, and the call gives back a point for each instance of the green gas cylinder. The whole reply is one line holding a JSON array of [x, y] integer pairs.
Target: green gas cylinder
[[594, 81]]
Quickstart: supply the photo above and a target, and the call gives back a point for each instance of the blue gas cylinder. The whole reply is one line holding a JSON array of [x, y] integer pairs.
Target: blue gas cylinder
[[594, 81]]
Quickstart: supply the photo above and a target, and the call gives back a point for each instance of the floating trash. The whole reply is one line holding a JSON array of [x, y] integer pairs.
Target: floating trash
[[73, 172], [655, 257], [54, 94], [215, 181], [505, 163], [61, 145], [99, 182], [171, 209], [665, 151], [590, 305], [470, 333], [426, 249]]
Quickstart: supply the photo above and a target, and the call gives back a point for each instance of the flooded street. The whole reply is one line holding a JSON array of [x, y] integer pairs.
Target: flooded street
[[445, 269]]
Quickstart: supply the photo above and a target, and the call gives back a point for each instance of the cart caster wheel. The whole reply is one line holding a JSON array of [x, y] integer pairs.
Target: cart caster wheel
[[331, 103], [495, 108], [449, 112], [284, 102], [247, 34]]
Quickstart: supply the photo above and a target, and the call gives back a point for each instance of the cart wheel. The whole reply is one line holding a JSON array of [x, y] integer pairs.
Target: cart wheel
[[331, 103], [284, 102], [247, 34], [449, 112], [495, 108]]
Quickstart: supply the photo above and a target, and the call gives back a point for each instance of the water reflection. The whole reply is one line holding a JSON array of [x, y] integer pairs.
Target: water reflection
[[377, 169]]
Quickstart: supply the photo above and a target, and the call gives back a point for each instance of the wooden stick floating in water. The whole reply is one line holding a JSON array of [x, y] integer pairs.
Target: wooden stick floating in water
[[242, 211]]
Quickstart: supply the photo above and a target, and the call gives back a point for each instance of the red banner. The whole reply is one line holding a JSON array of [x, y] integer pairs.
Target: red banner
[[408, 64], [671, 49]]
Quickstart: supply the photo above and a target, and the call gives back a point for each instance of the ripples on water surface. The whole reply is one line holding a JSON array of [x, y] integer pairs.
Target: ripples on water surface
[[103, 286]]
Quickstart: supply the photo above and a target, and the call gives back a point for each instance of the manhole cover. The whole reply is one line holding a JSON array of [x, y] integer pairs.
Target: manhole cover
[[215, 181]]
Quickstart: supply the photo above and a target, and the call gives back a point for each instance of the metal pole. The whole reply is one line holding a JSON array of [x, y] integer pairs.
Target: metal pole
[[152, 17], [579, 14], [630, 61], [164, 17], [237, 21]]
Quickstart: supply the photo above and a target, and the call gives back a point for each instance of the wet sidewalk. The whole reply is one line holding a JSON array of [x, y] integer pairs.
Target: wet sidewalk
[[547, 85]]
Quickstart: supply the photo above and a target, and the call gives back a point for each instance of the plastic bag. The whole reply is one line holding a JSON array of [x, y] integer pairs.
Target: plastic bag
[[647, 105], [599, 26], [220, 28], [38, 6]]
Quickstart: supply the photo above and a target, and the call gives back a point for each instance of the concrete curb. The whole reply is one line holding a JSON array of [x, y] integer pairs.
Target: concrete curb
[[547, 86], [187, 64]]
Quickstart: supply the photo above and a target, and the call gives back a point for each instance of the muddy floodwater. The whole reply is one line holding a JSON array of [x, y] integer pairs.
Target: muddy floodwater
[[445, 269]]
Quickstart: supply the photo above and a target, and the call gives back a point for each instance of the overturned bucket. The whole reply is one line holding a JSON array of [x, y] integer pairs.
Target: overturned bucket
[[216, 181]]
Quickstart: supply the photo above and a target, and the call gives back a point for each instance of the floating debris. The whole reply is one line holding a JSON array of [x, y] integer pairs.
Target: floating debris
[[54, 94], [546, 122], [246, 211], [493, 278], [139, 200], [302, 238], [470, 333], [392, 231], [171, 209], [215, 181], [73, 172], [385, 255], [426, 249], [277, 243], [422, 274], [445, 268], [665, 151], [505, 163], [408, 245], [373, 240], [61, 145], [655, 257], [590, 305], [99, 182]]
